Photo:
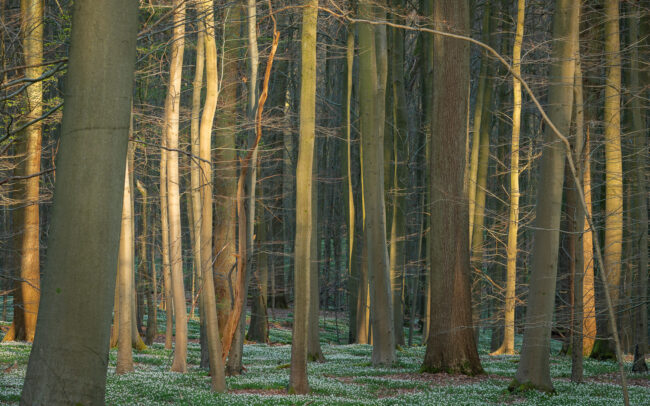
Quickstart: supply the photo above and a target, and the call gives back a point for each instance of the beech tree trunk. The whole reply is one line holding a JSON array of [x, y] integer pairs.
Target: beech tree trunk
[[533, 370], [172, 110], [77, 290], [298, 381]]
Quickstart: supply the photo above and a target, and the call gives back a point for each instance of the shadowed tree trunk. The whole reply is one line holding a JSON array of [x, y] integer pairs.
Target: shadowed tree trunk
[[77, 290], [372, 85], [451, 343], [314, 352], [225, 179], [298, 382], [533, 370]]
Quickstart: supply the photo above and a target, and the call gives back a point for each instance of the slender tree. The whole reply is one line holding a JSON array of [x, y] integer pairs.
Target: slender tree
[[508, 345], [172, 110], [124, 281]]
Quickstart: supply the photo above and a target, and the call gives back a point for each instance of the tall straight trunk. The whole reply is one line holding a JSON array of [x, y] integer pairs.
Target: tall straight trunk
[[298, 382], [640, 206], [172, 110], [258, 328], [451, 344], [480, 194], [613, 249], [147, 269], [314, 352], [372, 72], [478, 121], [508, 345], [399, 176], [577, 218], [588, 282], [77, 290], [353, 270], [208, 299], [125, 282], [24, 326], [534, 369], [164, 251], [225, 179]]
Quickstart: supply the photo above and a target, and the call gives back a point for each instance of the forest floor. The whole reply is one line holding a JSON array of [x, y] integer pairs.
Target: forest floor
[[346, 378]]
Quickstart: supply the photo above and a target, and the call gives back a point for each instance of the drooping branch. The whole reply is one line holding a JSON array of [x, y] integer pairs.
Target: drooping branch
[[238, 292]]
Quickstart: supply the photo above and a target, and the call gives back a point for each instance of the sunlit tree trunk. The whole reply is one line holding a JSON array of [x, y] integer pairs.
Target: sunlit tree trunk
[[298, 382], [353, 268], [125, 282], [534, 369], [478, 117], [508, 345], [172, 110], [27, 227], [577, 218], [613, 248], [208, 300], [451, 343], [77, 290], [640, 205], [588, 282], [164, 231]]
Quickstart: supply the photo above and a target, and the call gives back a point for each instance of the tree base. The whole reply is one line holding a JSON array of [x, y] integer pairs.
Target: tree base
[[462, 368], [603, 351], [639, 364], [516, 386], [316, 357]]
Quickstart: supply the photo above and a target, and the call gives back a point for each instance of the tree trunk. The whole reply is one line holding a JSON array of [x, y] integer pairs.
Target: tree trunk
[[125, 282], [78, 290], [508, 345], [640, 206], [298, 382], [577, 221], [164, 231], [451, 343], [478, 117], [399, 176], [534, 369], [613, 248], [147, 268], [353, 270], [225, 179], [314, 352], [588, 282], [172, 110], [372, 85]]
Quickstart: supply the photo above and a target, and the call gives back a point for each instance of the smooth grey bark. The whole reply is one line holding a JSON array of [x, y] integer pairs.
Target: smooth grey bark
[[533, 370], [67, 364], [372, 83], [298, 381]]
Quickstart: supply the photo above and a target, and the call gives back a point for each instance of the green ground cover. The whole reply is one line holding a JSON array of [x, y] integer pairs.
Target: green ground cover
[[346, 378]]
